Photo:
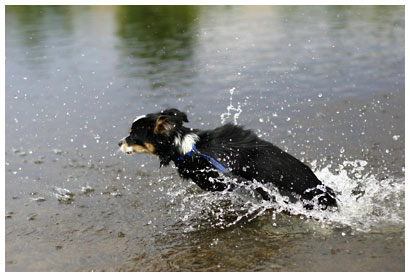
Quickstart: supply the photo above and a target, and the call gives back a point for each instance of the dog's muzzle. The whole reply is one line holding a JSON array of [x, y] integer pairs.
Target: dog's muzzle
[[136, 149], [124, 147]]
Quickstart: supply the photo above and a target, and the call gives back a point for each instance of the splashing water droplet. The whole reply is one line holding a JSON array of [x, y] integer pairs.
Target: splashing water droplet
[[237, 110]]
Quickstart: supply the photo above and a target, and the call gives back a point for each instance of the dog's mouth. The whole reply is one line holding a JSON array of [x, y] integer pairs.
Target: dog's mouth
[[136, 149]]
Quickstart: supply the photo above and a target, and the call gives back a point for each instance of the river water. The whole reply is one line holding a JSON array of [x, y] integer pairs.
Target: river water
[[324, 83]]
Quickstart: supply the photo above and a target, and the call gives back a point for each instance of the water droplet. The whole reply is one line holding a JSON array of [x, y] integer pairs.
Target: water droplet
[[396, 137], [57, 151]]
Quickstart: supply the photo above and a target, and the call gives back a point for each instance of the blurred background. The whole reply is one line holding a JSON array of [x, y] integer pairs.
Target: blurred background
[[325, 83]]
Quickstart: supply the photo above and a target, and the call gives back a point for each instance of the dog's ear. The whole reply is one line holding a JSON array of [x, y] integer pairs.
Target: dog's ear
[[176, 114], [168, 121], [163, 126]]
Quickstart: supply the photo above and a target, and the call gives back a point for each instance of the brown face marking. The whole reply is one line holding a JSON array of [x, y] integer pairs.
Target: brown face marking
[[162, 127], [139, 149], [148, 148], [130, 131]]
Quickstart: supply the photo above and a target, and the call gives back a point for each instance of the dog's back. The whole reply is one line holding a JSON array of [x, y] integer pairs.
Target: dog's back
[[251, 158]]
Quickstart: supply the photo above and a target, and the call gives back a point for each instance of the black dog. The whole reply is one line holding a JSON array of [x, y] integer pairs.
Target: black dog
[[219, 159]]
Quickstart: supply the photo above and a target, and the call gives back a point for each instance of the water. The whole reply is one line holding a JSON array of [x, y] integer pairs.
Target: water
[[325, 84]]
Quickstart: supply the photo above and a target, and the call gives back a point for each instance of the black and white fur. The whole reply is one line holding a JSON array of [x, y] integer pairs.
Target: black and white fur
[[249, 159]]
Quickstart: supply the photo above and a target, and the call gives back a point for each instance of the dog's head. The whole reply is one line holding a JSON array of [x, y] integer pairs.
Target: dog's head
[[154, 133]]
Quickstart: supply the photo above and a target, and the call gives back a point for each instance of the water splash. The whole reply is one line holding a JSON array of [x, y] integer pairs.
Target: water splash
[[365, 202], [237, 110], [63, 195]]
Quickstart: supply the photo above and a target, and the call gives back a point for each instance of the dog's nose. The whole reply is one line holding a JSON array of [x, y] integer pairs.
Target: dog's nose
[[120, 143]]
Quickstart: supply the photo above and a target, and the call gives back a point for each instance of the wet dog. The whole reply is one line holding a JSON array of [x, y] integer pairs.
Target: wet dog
[[224, 157]]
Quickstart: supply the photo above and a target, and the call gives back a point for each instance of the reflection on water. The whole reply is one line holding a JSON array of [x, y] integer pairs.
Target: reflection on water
[[169, 40], [325, 83]]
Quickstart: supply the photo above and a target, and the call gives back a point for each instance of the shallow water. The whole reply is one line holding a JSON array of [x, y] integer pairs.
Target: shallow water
[[324, 83]]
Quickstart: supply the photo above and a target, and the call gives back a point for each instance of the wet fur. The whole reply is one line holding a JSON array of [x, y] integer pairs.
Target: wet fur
[[247, 157]]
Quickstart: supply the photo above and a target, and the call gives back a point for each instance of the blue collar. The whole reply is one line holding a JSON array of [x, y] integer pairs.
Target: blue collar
[[211, 160], [189, 154]]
